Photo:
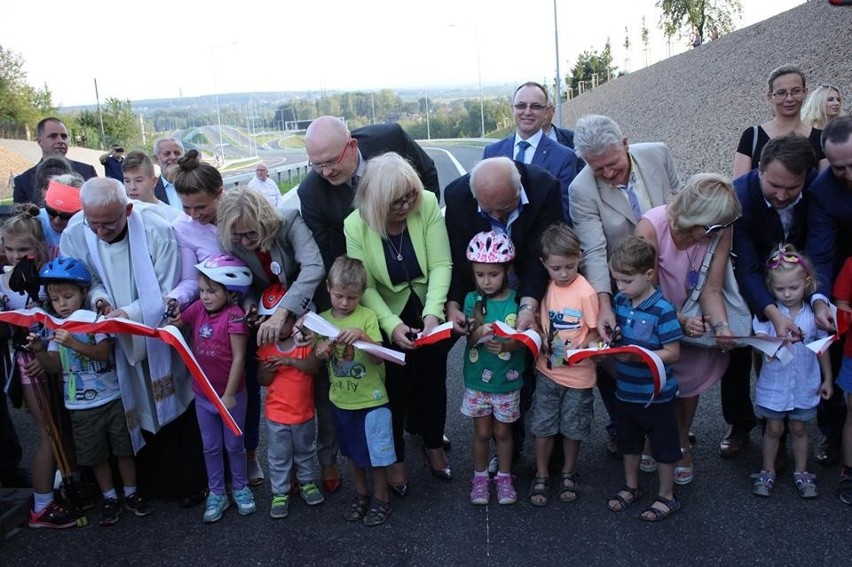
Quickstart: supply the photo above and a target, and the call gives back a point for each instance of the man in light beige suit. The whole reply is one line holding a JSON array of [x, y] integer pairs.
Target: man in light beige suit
[[607, 198]]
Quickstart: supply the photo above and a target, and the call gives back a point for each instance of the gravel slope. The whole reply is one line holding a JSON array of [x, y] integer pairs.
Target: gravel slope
[[699, 102]]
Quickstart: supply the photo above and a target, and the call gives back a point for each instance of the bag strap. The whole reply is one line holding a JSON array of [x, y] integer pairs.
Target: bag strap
[[705, 267], [754, 143]]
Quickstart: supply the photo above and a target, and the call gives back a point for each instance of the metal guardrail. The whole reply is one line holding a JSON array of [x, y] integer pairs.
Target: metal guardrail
[[282, 174]]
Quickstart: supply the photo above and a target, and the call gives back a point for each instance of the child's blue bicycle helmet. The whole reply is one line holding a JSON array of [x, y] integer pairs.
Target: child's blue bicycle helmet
[[65, 269]]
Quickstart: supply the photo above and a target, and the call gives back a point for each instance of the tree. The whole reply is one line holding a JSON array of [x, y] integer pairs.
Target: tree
[[646, 41], [688, 18], [20, 104], [120, 125], [591, 64]]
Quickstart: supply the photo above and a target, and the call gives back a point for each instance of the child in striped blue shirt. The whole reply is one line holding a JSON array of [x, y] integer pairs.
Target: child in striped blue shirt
[[644, 318]]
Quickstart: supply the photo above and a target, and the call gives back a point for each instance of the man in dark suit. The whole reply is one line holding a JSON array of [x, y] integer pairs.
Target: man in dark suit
[[167, 151], [52, 137], [529, 144], [337, 162], [512, 197], [774, 211]]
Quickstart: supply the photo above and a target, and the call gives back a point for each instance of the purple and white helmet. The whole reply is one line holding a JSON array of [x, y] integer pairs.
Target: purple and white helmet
[[491, 248], [224, 269]]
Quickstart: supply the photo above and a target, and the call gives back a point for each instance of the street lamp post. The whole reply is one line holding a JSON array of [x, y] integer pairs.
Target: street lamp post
[[558, 101]]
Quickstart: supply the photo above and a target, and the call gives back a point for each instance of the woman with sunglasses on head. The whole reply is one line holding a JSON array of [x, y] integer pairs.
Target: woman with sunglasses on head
[[398, 232], [682, 231], [822, 104], [787, 92]]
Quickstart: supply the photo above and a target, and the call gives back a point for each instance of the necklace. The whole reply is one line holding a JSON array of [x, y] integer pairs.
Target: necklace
[[692, 274], [397, 252]]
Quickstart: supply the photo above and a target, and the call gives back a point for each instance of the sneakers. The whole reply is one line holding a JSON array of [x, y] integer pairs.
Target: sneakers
[[505, 490], [55, 516], [806, 485], [137, 505], [245, 501], [280, 507], [764, 482], [215, 507], [254, 473], [110, 512], [311, 494], [479, 494]]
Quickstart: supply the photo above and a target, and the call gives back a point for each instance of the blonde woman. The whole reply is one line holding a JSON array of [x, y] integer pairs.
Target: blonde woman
[[681, 231], [823, 104], [398, 232]]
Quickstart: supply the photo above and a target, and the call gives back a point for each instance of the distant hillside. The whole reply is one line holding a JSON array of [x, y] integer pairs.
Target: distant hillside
[[699, 102]]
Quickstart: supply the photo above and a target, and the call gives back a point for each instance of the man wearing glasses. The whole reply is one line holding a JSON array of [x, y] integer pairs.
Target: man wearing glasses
[[133, 256], [337, 162], [529, 145], [52, 138]]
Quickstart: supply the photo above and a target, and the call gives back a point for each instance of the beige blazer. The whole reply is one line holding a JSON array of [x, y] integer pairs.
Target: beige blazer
[[602, 216]]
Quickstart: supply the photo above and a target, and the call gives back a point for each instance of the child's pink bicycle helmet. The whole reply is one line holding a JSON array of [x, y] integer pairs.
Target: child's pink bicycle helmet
[[224, 269], [491, 248]]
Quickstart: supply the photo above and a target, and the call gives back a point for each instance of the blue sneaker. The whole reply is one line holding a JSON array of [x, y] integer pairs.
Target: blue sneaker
[[245, 501], [215, 507]]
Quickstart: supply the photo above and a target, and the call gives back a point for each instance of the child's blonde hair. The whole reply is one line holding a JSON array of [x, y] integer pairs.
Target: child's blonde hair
[[26, 225], [347, 273], [559, 240], [786, 258]]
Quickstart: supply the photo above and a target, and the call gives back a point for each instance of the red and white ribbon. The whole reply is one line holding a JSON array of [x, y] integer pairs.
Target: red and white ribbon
[[529, 338], [650, 358], [80, 322], [440, 333], [322, 327]]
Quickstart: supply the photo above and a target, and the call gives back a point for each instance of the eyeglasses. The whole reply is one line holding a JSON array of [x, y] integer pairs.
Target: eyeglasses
[[780, 257], [251, 236], [407, 199], [56, 214], [534, 106], [710, 229], [107, 226], [318, 167], [795, 93]]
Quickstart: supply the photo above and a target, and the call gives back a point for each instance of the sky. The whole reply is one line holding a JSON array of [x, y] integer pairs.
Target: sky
[[169, 49]]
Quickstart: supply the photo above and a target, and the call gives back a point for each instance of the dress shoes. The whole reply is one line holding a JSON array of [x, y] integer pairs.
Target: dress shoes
[[732, 444]]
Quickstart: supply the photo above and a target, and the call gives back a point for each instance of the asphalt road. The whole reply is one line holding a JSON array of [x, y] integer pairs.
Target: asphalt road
[[720, 522]]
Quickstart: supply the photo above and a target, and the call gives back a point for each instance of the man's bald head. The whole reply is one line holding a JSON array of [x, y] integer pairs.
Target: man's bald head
[[496, 186], [331, 149]]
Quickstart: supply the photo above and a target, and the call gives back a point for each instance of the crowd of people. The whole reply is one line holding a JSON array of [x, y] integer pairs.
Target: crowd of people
[[557, 248]]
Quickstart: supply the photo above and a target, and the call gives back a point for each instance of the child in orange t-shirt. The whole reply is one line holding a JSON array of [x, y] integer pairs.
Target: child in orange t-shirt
[[287, 370]]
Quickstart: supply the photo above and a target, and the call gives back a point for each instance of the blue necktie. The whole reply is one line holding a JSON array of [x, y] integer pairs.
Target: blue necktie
[[634, 202], [522, 150]]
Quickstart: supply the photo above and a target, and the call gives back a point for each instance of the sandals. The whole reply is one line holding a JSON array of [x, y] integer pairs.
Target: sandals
[[684, 474], [764, 482], [621, 500], [357, 509], [652, 514], [540, 491], [377, 514], [806, 485], [568, 487], [647, 463]]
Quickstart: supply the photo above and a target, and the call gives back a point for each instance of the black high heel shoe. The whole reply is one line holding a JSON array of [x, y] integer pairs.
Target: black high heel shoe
[[443, 474]]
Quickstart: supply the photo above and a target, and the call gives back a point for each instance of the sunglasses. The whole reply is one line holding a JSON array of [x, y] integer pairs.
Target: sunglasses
[[779, 258], [710, 229], [54, 213]]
